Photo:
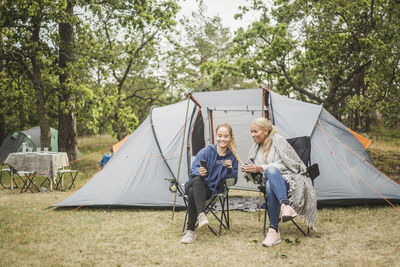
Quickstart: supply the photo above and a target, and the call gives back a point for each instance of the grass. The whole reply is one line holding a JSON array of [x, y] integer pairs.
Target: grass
[[32, 235]]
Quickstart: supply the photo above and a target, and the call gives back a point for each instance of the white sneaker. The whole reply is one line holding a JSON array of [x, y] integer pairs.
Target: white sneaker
[[189, 237], [203, 221], [272, 239], [287, 213]]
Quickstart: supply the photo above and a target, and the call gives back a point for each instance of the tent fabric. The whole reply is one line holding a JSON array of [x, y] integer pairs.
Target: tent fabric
[[117, 145], [34, 134], [365, 141], [13, 141], [135, 175]]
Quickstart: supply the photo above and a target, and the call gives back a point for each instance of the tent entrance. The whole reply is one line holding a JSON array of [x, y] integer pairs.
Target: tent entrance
[[240, 119]]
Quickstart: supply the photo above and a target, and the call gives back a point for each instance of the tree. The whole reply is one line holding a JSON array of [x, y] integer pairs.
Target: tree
[[67, 133], [26, 23], [204, 41], [130, 31], [327, 52]]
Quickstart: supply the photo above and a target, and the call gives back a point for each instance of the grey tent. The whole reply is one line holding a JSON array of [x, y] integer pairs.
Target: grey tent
[[13, 141], [135, 175]]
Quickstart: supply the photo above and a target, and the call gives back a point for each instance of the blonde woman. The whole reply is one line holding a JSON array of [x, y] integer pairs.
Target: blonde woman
[[289, 192], [220, 162]]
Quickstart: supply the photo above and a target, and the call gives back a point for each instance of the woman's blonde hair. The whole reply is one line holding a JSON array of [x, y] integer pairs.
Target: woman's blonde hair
[[232, 142], [265, 124]]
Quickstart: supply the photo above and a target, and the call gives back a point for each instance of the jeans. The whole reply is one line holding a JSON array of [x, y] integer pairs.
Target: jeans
[[276, 189], [197, 192]]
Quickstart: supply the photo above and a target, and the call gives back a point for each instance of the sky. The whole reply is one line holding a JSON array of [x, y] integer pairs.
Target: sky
[[226, 9]]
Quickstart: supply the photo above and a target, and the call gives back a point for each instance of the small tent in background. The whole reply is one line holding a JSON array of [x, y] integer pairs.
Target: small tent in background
[[135, 175], [13, 141]]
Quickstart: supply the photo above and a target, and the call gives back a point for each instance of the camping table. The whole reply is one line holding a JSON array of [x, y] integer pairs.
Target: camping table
[[41, 163]]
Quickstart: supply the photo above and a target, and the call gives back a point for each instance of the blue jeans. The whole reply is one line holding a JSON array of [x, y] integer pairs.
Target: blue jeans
[[276, 189]]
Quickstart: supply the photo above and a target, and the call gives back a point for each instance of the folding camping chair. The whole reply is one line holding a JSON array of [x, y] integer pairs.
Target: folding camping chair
[[63, 173], [221, 198], [27, 177], [3, 173], [302, 146]]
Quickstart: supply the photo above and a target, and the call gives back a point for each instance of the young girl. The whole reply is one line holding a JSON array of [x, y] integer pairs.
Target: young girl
[[221, 162]]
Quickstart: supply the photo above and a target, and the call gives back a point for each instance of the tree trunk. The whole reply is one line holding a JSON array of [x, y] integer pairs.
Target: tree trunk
[[67, 134], [2, 93], [38, 85]]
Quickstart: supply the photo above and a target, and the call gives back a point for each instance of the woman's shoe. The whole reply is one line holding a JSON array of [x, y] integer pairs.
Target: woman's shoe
[[189, 237], [287, 213], [273, 238]]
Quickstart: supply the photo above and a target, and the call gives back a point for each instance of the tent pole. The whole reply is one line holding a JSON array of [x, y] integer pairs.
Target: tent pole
[[180, 157]]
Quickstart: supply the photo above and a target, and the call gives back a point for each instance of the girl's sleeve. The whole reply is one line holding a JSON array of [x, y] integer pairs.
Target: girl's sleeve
[[235, 169], [196, 163]]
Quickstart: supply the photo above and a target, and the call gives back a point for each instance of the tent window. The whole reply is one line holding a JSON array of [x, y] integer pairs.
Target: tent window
[[198, 135]]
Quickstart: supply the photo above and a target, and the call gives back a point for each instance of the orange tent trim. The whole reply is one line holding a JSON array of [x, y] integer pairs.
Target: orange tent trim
[[365, 141], [119, 144]]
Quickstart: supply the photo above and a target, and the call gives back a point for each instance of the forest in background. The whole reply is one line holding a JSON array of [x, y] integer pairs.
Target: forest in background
[[89, 67]]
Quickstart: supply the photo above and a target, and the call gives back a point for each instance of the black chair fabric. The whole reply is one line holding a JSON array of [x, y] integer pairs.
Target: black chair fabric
[[221, 198]]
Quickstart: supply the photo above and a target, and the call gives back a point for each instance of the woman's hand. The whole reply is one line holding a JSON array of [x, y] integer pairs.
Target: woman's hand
[[203, 171], [251, 168], [228, 163]]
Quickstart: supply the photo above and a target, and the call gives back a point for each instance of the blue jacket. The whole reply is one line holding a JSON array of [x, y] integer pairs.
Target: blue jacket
[[216, 172]]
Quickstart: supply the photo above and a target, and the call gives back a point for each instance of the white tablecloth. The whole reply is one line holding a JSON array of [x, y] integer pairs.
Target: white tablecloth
[[43, 163]]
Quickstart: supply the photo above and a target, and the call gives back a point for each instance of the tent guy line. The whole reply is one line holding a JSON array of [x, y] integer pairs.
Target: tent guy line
[[78, 186], [351, 169], [85, 203], [356, 174], [326, 133], [355, 153], [362, 179], [37, 227], [336, 183]]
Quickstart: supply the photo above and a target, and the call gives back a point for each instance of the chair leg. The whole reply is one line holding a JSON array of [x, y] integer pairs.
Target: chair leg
[[73, 177], [59, 180], [26, 180], [227, 211], [1, 177], [265, 220], [223, 216], [15, 183], [12, 173], [298, 227], [184, 222], [186, 214], [222, 219], [45, 180], [265, 213]]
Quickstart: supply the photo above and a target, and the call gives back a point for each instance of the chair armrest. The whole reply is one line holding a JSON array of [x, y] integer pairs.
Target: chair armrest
[[313, 171], [230, 182]]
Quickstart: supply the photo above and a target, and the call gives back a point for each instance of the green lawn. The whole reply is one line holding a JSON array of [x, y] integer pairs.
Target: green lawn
[[33, 235]]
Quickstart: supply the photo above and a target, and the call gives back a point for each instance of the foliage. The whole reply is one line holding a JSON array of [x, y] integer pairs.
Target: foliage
[[204, 42], [337, 53], [127, 34], [131, 55]]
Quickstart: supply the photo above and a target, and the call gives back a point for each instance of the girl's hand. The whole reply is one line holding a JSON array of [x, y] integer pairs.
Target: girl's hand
[[228, 163], [251, 168], [243, 167], [203, 171]]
